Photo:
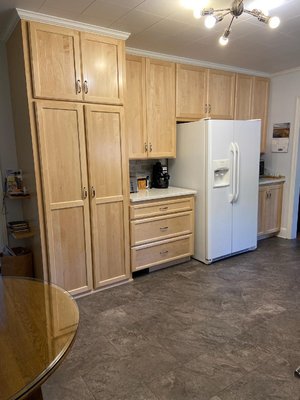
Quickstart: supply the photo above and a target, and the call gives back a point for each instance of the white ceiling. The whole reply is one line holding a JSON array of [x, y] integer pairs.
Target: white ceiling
[[164, 26]]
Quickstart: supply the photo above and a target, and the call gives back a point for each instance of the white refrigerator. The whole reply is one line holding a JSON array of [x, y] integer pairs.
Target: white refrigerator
[[220, 159]]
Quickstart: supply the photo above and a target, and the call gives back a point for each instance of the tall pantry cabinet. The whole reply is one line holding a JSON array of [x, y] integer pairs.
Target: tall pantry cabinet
[[71, 85]]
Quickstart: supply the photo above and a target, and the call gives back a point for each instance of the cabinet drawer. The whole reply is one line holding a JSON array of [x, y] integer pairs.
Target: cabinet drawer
[[160, 252], [161, 207], [157, 228]]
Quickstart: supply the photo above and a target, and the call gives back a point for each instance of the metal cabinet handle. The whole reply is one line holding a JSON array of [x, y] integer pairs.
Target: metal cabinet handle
[[162, 253], [84, 193], [93, 192], [86, 87], [209, 108], [150, 145], [146, 147], [164, 228], [163, 208], [78, 86], [205, 108]]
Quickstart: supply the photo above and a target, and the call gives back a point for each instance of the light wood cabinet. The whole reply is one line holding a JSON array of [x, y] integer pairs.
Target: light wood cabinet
[[191, 92], [203, 93], [259, 108], [269, 209], [60, 128], [108, 193], [251, 101], [71, 65], [75, 154], [220, 98], [161, 231], [73, 185], [150, 108]]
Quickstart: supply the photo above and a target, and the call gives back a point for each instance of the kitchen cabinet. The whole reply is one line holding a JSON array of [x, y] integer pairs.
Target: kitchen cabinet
[[269, 209], [202, 92], [83, 195], [75, 159], [251, 101], [71, 65], [259, 110], [220, 95], [191, 92], [150, 108], [161, 231]]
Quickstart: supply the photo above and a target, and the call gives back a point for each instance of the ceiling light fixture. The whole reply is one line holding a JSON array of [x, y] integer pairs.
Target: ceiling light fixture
[[214, 16]]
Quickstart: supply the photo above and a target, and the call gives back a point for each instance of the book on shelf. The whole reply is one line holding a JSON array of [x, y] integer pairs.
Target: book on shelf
[[14, 184]]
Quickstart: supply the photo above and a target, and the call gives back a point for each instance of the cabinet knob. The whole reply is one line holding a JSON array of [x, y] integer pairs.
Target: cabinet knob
[[150, 147], [205, 108], [78, 86], [146, 147], [93, 192], [163, 208], [209, 108]]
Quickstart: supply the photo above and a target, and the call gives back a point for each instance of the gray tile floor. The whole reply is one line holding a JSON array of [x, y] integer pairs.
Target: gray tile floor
[[229, 331]]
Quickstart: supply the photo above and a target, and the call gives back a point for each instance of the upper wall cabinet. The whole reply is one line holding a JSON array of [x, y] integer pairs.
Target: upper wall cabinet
[[251, 101], [260, 100], [69, 65], [203, 93], [220, 99], [150, 108], [191, 92]]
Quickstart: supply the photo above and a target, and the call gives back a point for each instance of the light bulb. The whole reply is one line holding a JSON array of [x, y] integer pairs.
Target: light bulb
[[274, 22], [210, 21], [223, 40], [197, 13]]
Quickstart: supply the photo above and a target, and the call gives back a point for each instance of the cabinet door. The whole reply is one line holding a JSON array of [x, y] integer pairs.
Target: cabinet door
[[103, 61], [55, 62], [243, 96], [273, 209], [261, 210], [135, 107], [161, 125], [109, 193], [191, 92], [60, 129], [221, 87], [259, 110]]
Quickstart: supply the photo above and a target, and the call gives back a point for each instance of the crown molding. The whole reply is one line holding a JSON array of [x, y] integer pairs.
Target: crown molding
[[67, 23], [192, 61], [285, 72]]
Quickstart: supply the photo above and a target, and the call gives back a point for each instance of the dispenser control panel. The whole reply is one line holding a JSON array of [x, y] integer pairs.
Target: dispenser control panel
[[221, 173]]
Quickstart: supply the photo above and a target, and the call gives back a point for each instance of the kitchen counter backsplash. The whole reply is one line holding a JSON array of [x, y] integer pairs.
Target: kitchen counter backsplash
[[142, 169]]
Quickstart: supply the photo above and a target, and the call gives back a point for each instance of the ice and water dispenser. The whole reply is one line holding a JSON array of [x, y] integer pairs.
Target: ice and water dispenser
[[221, 173]]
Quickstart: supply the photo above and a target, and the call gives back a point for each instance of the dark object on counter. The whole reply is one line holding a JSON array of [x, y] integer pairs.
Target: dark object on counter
[[261, 167], [160, 179]]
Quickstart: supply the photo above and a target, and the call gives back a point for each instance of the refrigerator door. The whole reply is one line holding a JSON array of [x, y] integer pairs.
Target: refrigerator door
[[219, 135], [245, 205]]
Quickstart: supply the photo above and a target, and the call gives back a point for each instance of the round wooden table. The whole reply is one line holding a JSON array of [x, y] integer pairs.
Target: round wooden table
[[38, 324]]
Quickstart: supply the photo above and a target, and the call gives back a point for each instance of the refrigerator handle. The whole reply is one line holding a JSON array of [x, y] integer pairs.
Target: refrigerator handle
[[233, 195], [237, 190]]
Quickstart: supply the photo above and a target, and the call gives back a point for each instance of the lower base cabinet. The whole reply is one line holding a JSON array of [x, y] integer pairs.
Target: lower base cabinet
[[161, 231], [269, 209]]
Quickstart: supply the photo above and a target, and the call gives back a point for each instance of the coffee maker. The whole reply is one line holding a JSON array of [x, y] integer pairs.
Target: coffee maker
[[160, 177]]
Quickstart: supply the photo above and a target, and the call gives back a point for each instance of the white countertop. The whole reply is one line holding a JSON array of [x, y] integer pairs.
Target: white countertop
[[271, 180], [154, 194]]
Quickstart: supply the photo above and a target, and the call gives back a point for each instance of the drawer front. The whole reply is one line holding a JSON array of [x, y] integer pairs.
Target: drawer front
[[154, 208], [153, 254], [157, 228]]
